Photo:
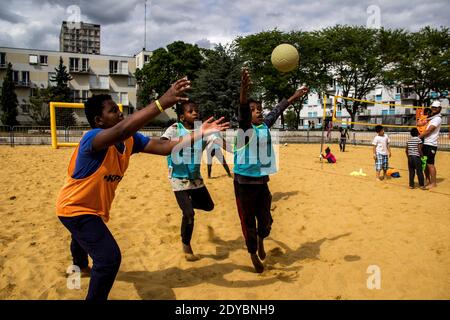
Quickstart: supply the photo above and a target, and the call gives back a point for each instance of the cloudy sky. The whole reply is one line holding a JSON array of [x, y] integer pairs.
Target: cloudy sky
[[36, 24]]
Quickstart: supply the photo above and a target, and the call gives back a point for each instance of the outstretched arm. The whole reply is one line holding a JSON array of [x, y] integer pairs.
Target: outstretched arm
[[244, 112], [130, 125], [164, 147], [273, 115]]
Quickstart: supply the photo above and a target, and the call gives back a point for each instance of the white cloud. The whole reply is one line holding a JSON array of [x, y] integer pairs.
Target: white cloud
[[36, 24]]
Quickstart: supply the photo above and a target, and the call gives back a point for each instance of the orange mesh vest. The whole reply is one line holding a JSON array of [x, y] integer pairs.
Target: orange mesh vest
[[94, 194]]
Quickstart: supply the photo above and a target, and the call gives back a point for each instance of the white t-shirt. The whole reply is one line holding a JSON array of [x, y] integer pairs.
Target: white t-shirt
[[432, 139], [382, 144]]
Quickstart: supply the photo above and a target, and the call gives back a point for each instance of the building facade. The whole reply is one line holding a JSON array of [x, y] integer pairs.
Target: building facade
[[79, 37], [91, 73]]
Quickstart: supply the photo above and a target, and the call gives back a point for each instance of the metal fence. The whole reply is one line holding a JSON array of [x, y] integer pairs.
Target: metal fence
[[35, 135]]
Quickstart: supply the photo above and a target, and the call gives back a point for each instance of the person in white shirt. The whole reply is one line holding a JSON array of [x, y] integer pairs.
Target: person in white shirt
[[381, 152], [431, 137]]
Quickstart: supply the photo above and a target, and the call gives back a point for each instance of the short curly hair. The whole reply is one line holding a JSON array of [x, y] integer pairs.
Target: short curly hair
[[93, 107]]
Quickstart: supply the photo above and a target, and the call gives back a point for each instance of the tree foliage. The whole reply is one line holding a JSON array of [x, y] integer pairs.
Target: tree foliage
[[216, 87], [8, 99]]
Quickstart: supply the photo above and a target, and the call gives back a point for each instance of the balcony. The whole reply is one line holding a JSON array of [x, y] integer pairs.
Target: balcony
[[364, 113], [80, 70], [409, 96], [22, 84], [99, 85], [118, 72]]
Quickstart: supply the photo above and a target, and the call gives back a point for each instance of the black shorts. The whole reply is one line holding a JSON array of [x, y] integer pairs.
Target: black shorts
[[430, 153]]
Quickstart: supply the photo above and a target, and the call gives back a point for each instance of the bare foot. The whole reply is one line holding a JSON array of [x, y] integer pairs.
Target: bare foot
[[261, 251], [424, 188], [259, 268], [431, 186], [188, 253]]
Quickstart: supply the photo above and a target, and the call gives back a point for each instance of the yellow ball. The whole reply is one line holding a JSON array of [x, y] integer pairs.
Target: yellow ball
[[285, 57]]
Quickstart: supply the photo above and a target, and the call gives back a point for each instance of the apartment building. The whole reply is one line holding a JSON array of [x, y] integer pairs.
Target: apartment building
[[79, 37], [92, 74], [381, 111]]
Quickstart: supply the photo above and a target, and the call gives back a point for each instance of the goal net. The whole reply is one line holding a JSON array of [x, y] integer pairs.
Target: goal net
[[390, 115]]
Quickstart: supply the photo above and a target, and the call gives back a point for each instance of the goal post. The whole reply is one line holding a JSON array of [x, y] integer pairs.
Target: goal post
[[63, 114]]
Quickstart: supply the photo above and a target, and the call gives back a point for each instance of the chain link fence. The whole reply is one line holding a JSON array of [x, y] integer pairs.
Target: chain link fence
[[36, 135]]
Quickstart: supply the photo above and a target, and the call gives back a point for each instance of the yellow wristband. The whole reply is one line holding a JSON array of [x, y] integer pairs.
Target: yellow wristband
[[159, 106]]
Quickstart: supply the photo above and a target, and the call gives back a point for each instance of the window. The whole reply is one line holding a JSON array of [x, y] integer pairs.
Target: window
[[123, 67], [398, 90], [33, 59], [146, 58], [75, 94], [43, 60], [115, 97], [113, 66], [2, 59], [131, 81], [25, 77], [84, 95], [74, 64], [124, 98], [25, 108], [85, 64]]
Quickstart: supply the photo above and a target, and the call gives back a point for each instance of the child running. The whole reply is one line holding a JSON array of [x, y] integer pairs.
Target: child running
[[97, 166], [414, 154], [254, 160], [184, 173]]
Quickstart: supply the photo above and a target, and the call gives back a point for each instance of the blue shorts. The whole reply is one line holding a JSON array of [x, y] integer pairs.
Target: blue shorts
[[382, 162]]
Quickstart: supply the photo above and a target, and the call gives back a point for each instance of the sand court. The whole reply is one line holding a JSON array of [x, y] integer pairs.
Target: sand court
[[329, 227]]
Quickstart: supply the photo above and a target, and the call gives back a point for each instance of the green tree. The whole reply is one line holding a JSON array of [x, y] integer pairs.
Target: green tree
[[8, 99], [273, 85], [291, 120], [355, 62], [269, 85], [216, 88], [39, 107], [418, 60], [165, 66], [61, 93]]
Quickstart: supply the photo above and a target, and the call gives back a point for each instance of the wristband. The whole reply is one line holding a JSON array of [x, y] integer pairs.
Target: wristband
[[158, 105]]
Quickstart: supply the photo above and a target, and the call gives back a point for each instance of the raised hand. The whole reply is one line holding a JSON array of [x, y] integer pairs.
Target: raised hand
[[175, 93], [245, 85], [298, 94], [210, 126]]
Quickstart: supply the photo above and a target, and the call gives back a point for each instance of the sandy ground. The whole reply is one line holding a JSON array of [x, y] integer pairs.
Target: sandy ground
[[329, 227]]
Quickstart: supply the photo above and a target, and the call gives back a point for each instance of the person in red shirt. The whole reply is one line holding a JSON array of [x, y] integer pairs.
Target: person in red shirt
[[329, 156]]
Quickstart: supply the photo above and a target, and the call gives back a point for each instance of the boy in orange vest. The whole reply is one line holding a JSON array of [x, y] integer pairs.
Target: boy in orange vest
[[97, 166]]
